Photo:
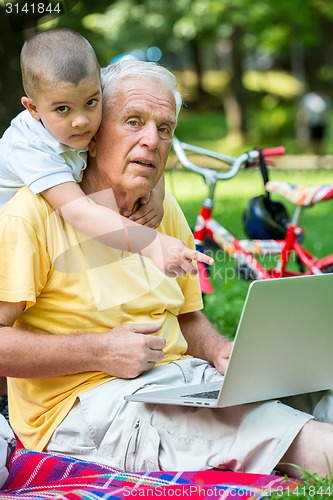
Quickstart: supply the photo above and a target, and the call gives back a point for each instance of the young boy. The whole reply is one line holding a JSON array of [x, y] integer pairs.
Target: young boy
[[45, 148]]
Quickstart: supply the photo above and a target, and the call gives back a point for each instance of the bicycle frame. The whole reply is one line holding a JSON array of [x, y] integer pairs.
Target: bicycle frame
[[244, 251]]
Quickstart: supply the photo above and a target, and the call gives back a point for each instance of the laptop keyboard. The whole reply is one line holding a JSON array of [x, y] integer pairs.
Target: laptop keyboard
[[207, 395]]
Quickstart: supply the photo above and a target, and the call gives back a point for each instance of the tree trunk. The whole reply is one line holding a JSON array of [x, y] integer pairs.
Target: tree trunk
[[320, 56], [198, 66], [234, 101], [10, 79]]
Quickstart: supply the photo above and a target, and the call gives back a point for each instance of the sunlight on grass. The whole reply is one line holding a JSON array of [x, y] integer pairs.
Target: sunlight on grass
[[279, 83], [215, 82], [187, 84], [274, 82], [209, 130]]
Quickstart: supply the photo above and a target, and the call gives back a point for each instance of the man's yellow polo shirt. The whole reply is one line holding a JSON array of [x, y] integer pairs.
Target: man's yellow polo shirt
[[72, 283]]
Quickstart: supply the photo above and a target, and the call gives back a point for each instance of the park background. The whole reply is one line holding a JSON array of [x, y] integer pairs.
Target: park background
[[243, 68], [243, 65]]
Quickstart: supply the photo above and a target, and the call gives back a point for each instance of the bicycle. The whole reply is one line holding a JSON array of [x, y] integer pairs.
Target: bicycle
[[244, 251]]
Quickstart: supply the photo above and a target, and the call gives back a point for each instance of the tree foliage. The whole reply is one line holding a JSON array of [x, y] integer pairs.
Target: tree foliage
[[226, 35]]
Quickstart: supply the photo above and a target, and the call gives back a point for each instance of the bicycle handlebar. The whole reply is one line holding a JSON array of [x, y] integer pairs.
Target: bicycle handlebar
[[212, 175], [275, 151]]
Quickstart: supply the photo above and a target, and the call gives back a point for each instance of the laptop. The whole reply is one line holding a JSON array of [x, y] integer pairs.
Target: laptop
[[283, 346]]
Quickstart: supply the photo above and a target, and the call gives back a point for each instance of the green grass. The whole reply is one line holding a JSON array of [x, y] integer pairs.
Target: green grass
[[267, 126], [224, 306]]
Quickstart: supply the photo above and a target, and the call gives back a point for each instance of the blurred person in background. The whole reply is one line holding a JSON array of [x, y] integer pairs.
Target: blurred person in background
[[312, 121]]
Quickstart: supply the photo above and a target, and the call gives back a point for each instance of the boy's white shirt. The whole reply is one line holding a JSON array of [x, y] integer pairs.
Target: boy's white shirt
[[7, 442], [30, 156]]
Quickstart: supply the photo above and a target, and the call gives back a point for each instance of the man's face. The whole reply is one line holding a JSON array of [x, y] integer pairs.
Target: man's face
[[135, 136]]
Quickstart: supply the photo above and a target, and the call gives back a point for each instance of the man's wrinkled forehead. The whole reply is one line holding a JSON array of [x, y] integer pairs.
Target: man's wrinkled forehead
[[150, 95]]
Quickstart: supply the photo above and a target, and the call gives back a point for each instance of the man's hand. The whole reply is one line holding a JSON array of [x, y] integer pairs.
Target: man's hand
[[131, 349], [204, 341], [222, 357], [125, 351]]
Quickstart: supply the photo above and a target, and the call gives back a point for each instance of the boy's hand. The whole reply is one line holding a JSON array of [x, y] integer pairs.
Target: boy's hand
[[150, 212], [176, 257]]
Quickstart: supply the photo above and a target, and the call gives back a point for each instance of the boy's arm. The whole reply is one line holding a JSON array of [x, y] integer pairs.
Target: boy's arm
[[151, 211], [108, 227]]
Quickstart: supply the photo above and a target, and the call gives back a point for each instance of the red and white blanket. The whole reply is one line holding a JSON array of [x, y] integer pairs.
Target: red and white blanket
[[42, 475]]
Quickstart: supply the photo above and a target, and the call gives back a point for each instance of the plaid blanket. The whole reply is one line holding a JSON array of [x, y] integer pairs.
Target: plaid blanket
[[42, 475]]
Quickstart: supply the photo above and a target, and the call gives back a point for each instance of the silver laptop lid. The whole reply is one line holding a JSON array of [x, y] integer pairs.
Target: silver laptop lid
[[284, 341]]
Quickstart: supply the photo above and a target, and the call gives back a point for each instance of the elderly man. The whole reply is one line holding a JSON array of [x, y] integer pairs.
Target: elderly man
[[83, 324]]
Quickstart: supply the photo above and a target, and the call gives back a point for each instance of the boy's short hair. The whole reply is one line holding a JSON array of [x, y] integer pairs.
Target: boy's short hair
[[58, 55]]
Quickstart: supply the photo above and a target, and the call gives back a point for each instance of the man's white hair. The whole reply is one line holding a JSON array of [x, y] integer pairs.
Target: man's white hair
[[113, 74]]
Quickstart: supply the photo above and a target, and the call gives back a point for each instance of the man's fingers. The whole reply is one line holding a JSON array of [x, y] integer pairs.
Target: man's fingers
[[155, 343], [155, 355], [146, 328]]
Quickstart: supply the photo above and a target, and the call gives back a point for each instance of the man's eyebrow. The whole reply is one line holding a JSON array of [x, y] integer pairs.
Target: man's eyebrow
[[171, 121], [134, 111]]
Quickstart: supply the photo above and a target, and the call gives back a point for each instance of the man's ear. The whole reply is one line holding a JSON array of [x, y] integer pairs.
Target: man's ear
[[31, 107], [92, 147]]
